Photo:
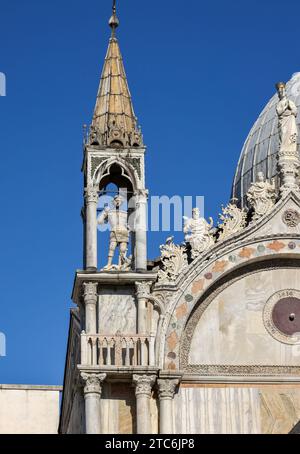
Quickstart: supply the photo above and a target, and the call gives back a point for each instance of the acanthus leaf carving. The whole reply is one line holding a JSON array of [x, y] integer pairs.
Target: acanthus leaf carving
[[174, 260], [233, 220]]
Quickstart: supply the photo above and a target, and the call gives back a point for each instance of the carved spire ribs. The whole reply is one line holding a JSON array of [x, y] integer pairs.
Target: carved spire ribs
[[114, 122]]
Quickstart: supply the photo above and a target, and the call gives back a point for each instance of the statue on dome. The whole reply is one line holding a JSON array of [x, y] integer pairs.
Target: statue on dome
[[287, 113], [119, 235], [199, 233], [261, 196]]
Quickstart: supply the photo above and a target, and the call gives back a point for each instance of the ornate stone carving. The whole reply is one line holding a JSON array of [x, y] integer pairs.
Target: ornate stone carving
[[115, 136], [92, 382], [288, 156], [233, 220], [91, 194], [143, 384], [136, 164], [287, 126], [291, 218], [143, 289], [243, 371], [90, 291], [174, 260], [167, 388], [199, 233], [261, 196], [119, 235]]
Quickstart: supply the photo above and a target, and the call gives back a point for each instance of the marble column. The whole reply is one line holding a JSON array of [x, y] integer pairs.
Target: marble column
[[90, 297], [92, 397], [142, 292], [143, 388], [91, 202], [166, 392], [141, 230]]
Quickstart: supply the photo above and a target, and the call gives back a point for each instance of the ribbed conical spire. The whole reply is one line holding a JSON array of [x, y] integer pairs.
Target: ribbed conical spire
[[114, 122]]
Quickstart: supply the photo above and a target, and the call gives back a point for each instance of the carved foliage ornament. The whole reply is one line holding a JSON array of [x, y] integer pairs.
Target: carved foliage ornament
[[167, 388], [143, 288], [91, 194], [92, 382], [143, 384], [174, 260], [233, 221]]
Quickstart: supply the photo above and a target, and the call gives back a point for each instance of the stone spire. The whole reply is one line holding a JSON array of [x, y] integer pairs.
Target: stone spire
[[114, 122]]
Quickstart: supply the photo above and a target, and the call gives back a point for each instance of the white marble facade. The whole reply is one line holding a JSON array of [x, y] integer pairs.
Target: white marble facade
[[231, 330]]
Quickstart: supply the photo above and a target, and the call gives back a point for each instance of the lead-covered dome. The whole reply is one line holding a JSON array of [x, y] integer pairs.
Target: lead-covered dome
[[261, 147]]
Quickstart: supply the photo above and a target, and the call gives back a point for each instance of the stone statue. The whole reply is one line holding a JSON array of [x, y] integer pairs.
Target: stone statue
[[287, 126], [119, 235], [261, 196], [198, 232]]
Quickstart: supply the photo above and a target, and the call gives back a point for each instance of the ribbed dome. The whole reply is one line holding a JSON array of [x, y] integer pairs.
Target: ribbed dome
[[261, 147]]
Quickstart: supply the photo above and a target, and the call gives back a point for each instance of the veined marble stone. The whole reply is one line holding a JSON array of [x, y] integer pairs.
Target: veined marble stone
[[236, 410], [117, 310], [231, 330]]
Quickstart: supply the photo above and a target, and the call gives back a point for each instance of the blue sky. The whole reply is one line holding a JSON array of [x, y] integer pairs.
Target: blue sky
[[199, 73]]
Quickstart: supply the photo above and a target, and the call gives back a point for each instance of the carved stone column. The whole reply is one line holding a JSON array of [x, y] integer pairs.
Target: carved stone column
[[90, 296], [141, 230], [166, 391], [92, 396], [91, 202], [288, 164], [142, 292], [143, 387]]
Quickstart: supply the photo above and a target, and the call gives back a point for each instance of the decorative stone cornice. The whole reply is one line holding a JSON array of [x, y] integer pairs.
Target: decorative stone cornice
[[92, 382], [91, 194], [143, 289], [167, 388], [90, 293], [143, 384]]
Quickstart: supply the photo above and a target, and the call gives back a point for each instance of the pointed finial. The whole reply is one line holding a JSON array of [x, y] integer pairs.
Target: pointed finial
[[114, 21]]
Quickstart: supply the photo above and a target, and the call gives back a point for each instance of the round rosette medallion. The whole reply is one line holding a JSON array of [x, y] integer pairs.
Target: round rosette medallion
[[281, 316]]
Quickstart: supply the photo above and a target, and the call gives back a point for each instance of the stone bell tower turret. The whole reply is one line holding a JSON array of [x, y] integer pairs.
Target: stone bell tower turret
[[116, 320], [114, 154]]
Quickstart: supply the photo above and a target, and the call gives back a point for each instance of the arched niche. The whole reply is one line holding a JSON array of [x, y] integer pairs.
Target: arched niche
[[225, 333]]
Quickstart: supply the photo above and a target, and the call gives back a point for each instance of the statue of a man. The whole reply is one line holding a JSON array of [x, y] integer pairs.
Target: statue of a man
[[198, 233], [261, 196], [287, 126], [119, 234]]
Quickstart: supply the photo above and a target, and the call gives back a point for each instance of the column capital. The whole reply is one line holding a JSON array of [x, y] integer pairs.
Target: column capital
[[167, 388], [143, 384], [142, 193], [91, 194], [143, 289], [92, 382], [90, 293]]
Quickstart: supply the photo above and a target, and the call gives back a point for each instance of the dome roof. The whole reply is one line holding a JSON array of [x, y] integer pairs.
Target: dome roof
[[261, 147]]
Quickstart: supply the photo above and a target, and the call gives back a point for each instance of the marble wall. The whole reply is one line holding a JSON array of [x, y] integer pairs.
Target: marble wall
[[118, 409], [236, 410], [117, 310], [231, 330]]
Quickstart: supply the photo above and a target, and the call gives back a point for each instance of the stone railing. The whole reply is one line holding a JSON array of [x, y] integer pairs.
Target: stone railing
[[117, 350]]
